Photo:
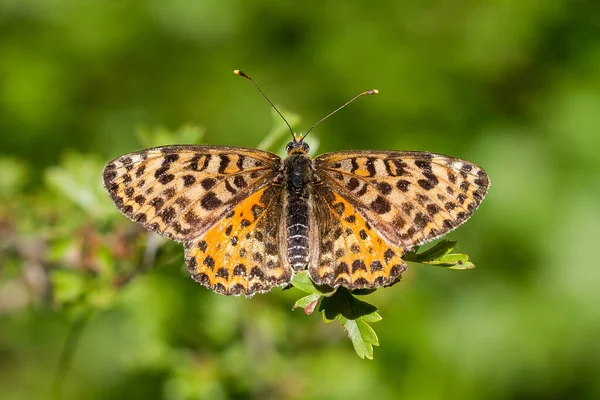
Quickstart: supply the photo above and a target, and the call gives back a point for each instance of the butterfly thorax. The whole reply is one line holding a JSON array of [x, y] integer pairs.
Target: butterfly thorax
[[298, 174]]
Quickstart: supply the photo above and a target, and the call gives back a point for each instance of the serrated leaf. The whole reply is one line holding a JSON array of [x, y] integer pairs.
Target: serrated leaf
[[354, 315], [441, 248], [453, 261], [441, 256], [342, 302], [373, 317], [303, 282], [361, 334]]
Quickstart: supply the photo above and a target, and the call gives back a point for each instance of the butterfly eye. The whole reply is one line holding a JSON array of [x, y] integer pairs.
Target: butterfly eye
[[305, 147], [288, 147]]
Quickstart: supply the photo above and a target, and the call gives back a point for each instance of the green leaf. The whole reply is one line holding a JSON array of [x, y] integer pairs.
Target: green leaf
[[441, 255], [372, 317], [361, 334], [441, 248], [342, 302], [453, 261], [303, 282], [355, 316], [308, 303]]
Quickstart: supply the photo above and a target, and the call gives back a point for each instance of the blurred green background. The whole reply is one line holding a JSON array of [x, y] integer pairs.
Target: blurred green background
[[513, 86]]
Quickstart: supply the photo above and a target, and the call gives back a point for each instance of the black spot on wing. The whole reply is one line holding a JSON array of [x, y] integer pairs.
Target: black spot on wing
[[352, 184], [210, 201], [403, 185], [380, 205], [384, 188], [188, 180]]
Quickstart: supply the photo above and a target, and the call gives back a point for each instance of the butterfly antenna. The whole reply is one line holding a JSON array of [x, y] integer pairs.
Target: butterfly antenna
[[243, 74], [367, 93]]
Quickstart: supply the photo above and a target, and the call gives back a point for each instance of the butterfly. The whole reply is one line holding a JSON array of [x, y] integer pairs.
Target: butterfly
[[249, 220]]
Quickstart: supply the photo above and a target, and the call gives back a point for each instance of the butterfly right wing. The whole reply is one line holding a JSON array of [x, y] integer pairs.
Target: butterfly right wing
[[410, 197], [181, 191], [372, 206]]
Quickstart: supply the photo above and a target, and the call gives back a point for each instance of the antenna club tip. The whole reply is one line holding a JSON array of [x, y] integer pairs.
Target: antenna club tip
[[240, 73], [368, 92]]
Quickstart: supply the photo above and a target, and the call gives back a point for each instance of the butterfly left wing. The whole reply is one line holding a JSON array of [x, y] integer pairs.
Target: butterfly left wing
[[220, 201], [181, 191]]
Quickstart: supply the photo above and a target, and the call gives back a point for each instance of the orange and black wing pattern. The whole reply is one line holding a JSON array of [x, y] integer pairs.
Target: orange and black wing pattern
[[409, 197], [240, 254], [375, 205], [219, 201], [181, 191], [351, 254]]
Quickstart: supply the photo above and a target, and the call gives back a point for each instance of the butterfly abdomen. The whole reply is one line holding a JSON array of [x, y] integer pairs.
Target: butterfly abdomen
[[297, 226], [298, 175]]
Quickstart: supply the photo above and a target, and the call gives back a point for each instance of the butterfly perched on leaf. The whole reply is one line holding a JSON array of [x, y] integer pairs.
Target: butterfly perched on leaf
[[249, 219]]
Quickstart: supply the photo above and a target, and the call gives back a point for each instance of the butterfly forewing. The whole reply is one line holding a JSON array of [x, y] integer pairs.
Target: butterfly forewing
[[409, 197], [181, 191]]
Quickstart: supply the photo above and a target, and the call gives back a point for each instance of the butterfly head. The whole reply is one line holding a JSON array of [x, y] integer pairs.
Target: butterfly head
[[297, 145]]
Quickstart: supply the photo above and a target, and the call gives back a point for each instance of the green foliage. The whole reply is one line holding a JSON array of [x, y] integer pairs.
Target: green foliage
[[76, 179], [355, 315], [14, 177], [441, 255]]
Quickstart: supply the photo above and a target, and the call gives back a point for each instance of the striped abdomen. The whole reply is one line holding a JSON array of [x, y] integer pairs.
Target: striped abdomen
[[297, 226]]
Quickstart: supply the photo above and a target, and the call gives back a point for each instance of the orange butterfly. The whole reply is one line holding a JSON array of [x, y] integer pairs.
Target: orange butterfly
[[249, 219]]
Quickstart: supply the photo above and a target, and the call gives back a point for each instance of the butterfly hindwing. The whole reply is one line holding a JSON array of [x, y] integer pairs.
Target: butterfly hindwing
[[241, 253], [409, 197], [351, 253], [181, 191]]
